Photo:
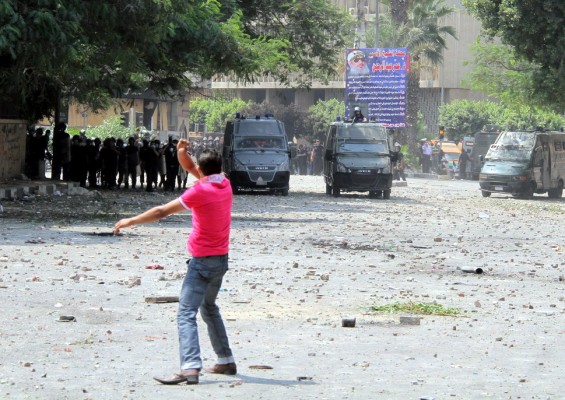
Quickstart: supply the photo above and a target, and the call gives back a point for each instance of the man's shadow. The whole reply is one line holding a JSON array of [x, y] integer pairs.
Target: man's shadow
[[303, 381]]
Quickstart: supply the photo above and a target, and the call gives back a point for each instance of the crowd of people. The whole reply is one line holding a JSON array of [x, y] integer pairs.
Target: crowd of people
[[434, 160], [308, 160], [138, 162], [110, 163]]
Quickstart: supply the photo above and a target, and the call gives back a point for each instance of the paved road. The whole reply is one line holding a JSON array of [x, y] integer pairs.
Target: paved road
[[299, 265]]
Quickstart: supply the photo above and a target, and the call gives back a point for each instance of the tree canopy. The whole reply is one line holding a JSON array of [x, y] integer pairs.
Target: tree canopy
[[536, 30], [214, 112], [94, 51], [499, 73], [466, 117], [322, 113], [316, 33]]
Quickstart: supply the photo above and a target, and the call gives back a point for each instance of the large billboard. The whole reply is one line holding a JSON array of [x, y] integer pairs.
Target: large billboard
[[376, 82]]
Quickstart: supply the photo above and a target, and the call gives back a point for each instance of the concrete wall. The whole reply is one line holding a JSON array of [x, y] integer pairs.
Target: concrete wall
[[12, 148]]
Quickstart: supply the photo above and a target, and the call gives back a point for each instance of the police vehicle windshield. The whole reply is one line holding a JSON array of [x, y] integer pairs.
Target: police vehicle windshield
[[512, 146], [359, 146], [259, 142], [357, 138]]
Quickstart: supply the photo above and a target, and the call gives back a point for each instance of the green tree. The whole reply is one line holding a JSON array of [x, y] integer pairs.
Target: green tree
[[321, 114], [94, 51], [198, 110], [466, 117], [499, 73], [215, 112], [536, 30], [316, 31], [223, 111], [110, 127], [527, 118]]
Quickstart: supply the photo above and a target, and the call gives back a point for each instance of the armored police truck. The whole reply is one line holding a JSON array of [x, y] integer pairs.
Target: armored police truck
[[523, 163], [256, 154], [358, 157]]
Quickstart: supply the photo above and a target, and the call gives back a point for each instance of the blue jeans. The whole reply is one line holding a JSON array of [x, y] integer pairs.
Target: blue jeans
[[199, 291]]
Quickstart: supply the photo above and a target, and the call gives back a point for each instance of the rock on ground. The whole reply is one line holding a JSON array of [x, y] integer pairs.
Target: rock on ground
[[76, 324]]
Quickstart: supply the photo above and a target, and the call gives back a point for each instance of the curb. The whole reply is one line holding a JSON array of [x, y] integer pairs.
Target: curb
[[18, 191]]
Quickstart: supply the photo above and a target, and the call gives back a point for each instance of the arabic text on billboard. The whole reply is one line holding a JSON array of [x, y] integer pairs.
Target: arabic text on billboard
[[376, 82]]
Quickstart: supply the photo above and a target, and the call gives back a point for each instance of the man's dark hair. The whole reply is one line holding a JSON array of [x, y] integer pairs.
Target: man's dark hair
[[210, 162]]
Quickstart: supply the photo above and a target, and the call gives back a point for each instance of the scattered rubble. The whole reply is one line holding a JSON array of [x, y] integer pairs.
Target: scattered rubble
[[300, 268]]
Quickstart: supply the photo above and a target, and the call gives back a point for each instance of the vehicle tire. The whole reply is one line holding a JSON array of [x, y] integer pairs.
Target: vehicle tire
[[386, 194], [485, 193], [328, 189], [556, 193], [528, 193], [234, 188], [284, 192], [335, 191], [373, 194]]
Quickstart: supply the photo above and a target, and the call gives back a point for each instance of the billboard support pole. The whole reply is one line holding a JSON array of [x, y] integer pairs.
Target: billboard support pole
[[377, 26]]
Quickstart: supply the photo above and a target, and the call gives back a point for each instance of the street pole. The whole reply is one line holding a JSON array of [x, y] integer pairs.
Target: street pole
[[131, 120], [442, 66], [377, 26]]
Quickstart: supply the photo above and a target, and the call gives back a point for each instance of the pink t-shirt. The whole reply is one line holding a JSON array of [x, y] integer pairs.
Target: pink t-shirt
[[210, 200]]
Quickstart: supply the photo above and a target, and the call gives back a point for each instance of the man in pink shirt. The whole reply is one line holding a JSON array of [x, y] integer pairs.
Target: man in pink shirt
[[210, 200]]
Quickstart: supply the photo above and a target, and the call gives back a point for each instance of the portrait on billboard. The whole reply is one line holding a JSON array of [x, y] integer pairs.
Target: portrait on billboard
[[357, 63]]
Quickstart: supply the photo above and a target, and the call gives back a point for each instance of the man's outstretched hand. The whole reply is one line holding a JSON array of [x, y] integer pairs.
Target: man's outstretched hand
[[123, 223]]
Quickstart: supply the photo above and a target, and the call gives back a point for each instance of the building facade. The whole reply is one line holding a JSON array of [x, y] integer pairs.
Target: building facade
[[438, 84]]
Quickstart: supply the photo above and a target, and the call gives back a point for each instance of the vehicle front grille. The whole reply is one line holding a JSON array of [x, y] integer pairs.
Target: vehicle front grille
[[363, 180], [266, 176], [498, 178]]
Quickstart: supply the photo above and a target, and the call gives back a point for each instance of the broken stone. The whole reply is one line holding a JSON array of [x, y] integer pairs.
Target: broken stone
[[67, 318], [410, 320]]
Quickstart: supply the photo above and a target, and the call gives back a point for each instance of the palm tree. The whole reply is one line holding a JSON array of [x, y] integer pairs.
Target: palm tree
[[414, 25], [426, 37]]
